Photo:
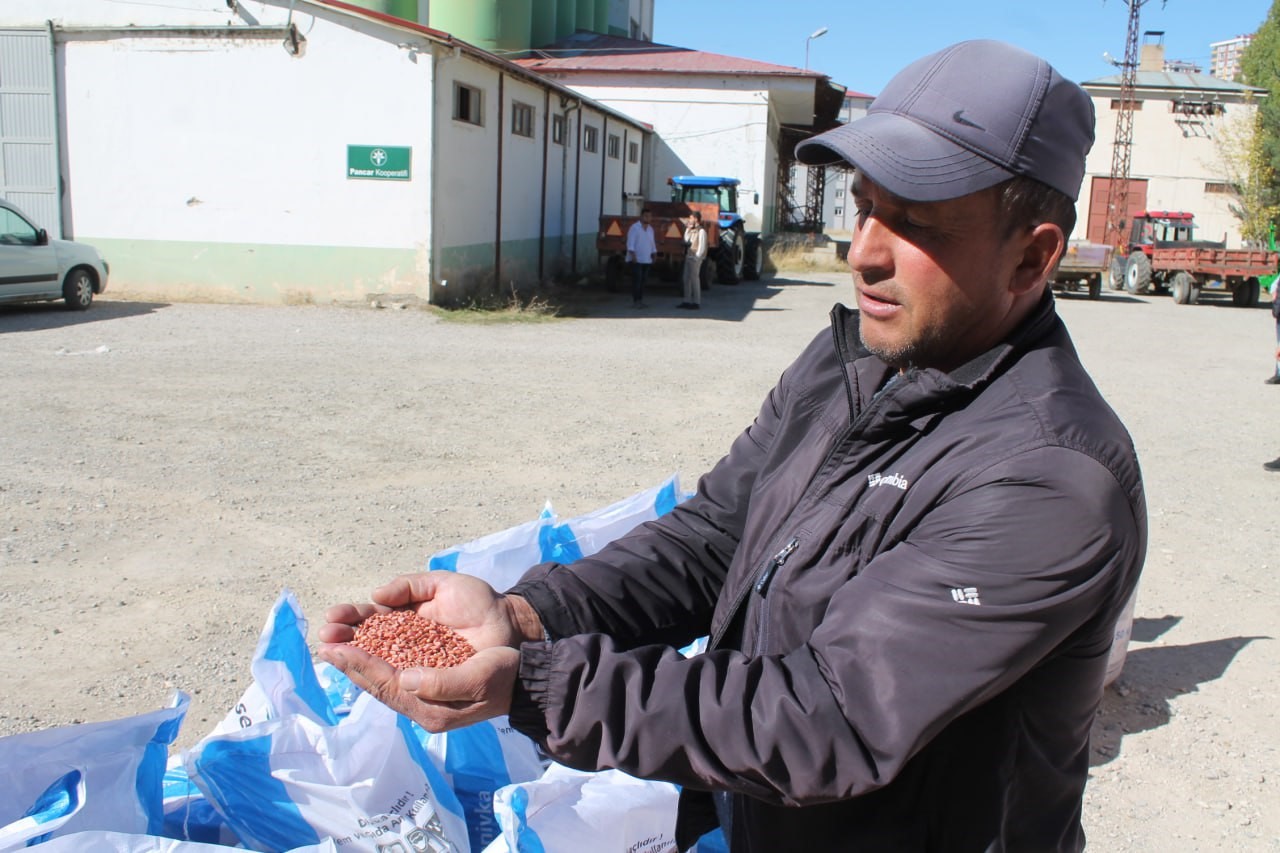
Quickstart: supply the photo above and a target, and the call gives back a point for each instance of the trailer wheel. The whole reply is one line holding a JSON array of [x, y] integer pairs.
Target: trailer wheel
[[1095, 286], [1117, 272], [614, 268], [1137, 273], [1245, 293], [1183, 285]]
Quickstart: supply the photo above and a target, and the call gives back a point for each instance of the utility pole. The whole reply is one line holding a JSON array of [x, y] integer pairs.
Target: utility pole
[[1118, 190]]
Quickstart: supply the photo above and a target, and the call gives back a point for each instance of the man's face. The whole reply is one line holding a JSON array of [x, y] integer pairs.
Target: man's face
[[645, 216], [932, 278]]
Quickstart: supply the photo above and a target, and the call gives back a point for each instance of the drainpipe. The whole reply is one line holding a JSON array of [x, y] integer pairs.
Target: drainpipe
[[57, 129], [497, 235], [546, 153], [565, 109], [577, 194], [604, 161]]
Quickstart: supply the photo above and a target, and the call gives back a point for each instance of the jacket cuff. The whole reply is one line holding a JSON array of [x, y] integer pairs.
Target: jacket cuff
[[530, 696]]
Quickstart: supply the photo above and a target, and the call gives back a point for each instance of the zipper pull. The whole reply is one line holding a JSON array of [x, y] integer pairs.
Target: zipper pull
[[771, 568]]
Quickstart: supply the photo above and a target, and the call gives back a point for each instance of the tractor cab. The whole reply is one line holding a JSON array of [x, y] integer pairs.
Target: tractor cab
[[1162, 226], [722, 192]]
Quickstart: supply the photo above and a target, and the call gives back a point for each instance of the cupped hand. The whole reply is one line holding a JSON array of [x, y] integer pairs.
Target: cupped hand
[[439, 700], [463, 602]]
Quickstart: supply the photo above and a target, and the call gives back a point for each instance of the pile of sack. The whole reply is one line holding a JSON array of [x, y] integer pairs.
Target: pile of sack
[[307, 762]]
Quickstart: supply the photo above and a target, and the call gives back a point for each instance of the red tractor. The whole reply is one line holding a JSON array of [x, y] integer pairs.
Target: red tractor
[[1162, 255]]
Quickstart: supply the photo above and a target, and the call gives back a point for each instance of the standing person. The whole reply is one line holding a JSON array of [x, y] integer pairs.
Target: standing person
[[641, 248], [1274, 379], [696, 238], [907, 643]]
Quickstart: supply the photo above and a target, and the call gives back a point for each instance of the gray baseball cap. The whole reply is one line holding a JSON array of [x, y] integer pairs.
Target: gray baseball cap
[[964, 119]]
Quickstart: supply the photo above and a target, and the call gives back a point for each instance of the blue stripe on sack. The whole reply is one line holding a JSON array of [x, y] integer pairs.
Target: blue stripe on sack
[[446, 562], [666, 499], [527, 841], [473, 759], [148, 783], [256, 804], [558, 544], [444, 796], [58, 800], [288, 645]]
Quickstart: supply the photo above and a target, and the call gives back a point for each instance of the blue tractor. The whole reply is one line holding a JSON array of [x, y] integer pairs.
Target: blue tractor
[[737, 255]]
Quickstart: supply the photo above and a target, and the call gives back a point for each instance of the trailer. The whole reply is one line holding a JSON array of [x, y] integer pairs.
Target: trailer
[[1083, 264]]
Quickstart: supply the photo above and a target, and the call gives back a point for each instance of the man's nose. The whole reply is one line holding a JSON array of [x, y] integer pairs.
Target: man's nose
[[871, 250]]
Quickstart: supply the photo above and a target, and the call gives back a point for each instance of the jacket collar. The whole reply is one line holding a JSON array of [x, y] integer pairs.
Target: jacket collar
[[924, 389]]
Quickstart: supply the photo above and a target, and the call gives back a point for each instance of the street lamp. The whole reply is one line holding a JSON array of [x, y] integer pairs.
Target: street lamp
[[819, 33]]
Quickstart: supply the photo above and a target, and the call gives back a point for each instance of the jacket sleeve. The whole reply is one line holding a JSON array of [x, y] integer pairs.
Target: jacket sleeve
[[894, 660], [660, 583]]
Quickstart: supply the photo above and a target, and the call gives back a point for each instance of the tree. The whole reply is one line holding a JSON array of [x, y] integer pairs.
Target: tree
[[1250, 177], [1260, 66]]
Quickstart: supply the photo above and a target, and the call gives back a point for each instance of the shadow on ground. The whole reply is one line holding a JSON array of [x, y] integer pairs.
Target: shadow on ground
[[1153, 676], [725, 302], [37, 316]]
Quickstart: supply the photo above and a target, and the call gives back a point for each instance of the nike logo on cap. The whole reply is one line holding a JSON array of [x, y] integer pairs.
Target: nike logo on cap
[[958, 118]]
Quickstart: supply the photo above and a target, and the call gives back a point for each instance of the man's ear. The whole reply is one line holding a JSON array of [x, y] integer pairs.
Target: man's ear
[[1042, 248]]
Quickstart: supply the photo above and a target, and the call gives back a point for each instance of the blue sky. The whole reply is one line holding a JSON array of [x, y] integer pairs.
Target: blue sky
[[869, 40]]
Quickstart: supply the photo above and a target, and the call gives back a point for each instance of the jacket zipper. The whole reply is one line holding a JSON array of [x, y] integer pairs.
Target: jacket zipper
[[760, 584], [771, 568]]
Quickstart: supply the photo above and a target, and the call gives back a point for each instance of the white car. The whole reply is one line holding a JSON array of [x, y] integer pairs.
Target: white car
[[34, 268]]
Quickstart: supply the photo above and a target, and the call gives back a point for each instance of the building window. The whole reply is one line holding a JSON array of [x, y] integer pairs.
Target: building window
[[839, 192], [590, 138], [1219, 188], [839, 211], [557, 129], [615, 146], [468, 102], [521, 119], [1115, 104], [633, 152]]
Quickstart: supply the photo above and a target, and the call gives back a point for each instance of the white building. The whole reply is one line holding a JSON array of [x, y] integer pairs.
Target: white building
[[838, 216], [711, 114], [300, 150], [1177, 160]]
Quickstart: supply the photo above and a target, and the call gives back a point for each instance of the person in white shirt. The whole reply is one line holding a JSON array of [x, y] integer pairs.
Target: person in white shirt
[[640, 251], [696, 236]]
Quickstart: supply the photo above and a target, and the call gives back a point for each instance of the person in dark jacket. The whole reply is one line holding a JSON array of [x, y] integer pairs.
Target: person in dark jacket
[[909, 566]]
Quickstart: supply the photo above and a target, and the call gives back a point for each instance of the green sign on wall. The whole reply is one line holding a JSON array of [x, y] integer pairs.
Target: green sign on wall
[[378, 162]]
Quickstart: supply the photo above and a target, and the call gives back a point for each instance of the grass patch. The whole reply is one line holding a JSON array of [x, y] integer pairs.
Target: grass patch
[[535, 307], [794, 258]]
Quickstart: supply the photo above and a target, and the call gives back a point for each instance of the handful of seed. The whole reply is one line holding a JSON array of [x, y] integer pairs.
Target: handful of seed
[[404, 639]]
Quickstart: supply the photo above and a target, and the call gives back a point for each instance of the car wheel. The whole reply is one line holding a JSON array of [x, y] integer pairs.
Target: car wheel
[[77, 290]]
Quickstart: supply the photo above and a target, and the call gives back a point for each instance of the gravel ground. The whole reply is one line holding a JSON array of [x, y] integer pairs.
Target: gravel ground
[[168, 468]]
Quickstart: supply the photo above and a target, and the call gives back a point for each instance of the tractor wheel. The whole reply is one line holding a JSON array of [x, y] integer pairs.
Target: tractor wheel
[[1137, 273], [729, 256], [706, 274], [1183, 283], [753, 260], [1116, 273]]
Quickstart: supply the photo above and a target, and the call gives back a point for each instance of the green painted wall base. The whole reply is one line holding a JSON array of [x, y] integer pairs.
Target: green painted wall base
[[260, 273]]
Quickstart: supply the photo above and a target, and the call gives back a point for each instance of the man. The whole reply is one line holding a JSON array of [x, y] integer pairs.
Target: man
[[910, 565], [640, 251], [695, 236]]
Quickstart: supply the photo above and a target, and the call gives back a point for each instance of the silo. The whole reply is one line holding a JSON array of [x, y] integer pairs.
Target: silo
[[543, 26], [493, 25], [407, 9], [566, 17], [602, 16], [585, 19]]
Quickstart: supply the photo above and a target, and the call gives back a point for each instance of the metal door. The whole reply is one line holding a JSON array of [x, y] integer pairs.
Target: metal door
[[29, 126]]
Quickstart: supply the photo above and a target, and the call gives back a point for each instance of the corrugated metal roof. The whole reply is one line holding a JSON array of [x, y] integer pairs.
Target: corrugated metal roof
[[1179, 80], [585, 51]]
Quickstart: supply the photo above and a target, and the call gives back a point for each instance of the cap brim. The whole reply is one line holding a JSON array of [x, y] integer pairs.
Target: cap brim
[[903, 157]]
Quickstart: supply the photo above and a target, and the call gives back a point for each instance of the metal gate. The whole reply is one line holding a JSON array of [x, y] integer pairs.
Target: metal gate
[[29, 126]]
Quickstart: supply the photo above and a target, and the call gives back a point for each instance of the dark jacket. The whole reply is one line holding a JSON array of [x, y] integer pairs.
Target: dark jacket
[[911, 597]]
